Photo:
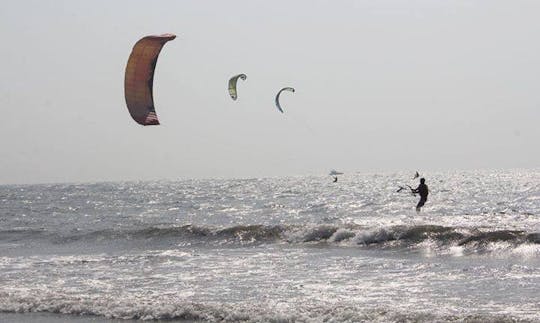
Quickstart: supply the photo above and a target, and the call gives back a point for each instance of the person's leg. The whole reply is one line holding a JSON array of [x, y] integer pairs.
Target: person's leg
[[420, 204]]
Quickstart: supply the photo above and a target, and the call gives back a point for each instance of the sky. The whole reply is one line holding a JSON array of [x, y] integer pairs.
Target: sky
[[381, 86]]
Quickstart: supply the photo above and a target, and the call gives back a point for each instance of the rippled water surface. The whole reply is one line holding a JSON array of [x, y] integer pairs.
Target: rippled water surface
[[279, 249]]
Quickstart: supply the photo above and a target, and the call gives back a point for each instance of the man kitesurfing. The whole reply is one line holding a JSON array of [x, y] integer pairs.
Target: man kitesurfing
[[423, 190]]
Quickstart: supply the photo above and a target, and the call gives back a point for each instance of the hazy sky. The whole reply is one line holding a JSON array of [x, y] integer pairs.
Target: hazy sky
[[380, 86]]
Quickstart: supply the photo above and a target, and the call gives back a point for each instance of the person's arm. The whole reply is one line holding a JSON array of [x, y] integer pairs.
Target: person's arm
[[413, 190]]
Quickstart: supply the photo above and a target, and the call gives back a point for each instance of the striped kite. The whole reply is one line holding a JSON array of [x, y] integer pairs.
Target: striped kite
[[139, 78]]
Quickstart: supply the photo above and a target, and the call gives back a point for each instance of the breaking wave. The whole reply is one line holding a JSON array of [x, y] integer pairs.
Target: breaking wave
[[348, 235], [128, 307]]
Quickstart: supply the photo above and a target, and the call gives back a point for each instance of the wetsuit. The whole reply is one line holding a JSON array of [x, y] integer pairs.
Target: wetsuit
[[422, 189]]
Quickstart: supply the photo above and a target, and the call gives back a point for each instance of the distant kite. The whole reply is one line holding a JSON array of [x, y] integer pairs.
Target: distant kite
[[232, 85], [290, 89], [139, 78]]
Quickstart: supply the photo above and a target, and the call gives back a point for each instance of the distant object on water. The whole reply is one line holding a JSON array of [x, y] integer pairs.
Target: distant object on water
[[334, 172]]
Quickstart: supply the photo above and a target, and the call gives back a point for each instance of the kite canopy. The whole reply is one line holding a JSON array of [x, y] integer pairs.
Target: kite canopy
[[290, 89], [139, 78], [232, 85]]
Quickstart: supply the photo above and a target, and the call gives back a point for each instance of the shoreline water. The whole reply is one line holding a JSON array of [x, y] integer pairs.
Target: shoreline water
[[299, 249]]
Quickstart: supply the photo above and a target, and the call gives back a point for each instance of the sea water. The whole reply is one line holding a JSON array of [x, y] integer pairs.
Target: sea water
[[291, 249]]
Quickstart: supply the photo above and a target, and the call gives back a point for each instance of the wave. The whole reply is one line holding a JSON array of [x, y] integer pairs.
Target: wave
[[129, 307], [241, 233], [351, 235]]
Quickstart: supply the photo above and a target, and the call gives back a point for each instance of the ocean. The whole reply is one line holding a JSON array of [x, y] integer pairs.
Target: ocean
[[291, 249]]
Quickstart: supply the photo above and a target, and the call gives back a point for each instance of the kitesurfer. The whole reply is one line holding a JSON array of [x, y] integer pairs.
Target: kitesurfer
[[335, 179], [423, 190]]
